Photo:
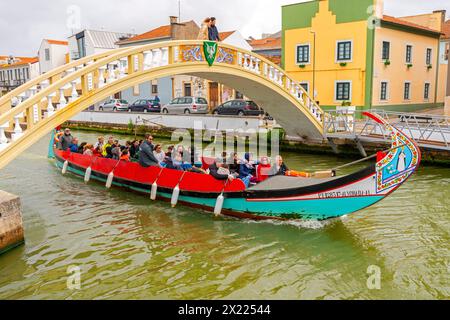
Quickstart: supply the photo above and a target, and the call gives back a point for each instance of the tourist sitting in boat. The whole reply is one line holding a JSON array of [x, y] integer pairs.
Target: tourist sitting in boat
[[65, 141], [88, 150], [109, 154], [116, 150], [219, 171], [81, 147], [233, 162], [280, 168], [74, 145], [106, 145], [100, 142], [245, 169], [146, 156], [125, 156], [134, 148], [159, 154], [263, 170]]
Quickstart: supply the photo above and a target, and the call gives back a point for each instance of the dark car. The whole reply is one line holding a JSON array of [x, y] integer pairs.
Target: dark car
[[145, 105], [239, 107]]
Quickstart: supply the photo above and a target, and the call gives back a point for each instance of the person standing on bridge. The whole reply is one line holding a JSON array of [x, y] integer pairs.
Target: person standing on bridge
[[66, 140], [204, 30], [213, 33]]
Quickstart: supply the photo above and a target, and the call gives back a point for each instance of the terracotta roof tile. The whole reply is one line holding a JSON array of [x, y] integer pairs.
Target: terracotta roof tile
[[446, 30], [398, 21], [21, 61], [160, 32], [267, 43], [58, 42], [226, 34]]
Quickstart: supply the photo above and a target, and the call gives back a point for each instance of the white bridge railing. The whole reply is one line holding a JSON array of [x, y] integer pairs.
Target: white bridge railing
[[427, 130]]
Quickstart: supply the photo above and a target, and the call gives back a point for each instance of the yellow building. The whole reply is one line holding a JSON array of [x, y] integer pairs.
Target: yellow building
[[348, 52]]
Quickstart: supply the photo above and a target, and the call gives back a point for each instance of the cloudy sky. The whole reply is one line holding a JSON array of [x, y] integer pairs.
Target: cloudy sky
[[25, 23]]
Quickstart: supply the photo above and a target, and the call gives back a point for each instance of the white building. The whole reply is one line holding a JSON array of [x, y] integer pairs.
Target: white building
[[235, 38], [89, 42], [15, 71], [52, 54]]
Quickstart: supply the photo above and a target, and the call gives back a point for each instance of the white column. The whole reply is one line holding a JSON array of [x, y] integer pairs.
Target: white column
[[257, 63], [111, 75], [18, 132], [3, 139], [246, 64], [148, 56], [265, 69], [156, 58], [165, 56], [122, 67], [50, 108], [101, 76], [74, 95], [239, 59], [62, 99]]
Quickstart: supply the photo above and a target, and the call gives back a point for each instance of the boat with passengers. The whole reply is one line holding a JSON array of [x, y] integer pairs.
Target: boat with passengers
[[320, 196]]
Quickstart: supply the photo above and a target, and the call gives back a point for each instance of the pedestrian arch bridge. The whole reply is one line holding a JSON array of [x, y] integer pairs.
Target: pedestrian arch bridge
[[55, 97]]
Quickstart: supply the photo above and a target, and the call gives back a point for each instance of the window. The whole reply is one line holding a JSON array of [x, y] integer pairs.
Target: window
[[305, 85], [446, 51], [201, 101], [407, 91], [28, 73], [343, 91], [303, 54], [47, 54], [154, 89], [386, 50], [429, 54], [81, 44], [426, 94], [383, 91], [408, 54], [187, 89], [344, 51]]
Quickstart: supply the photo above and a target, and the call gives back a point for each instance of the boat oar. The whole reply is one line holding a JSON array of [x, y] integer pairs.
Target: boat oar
[[219, 202], [176, 192], [87, 174], [367, 158], [65, 166], [155, 186], [110, 179]]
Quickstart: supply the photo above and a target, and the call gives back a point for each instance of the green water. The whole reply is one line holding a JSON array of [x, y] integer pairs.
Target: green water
[[128, 247]]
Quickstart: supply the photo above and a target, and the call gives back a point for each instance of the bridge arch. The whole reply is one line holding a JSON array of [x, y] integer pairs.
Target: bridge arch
[[100, 76]]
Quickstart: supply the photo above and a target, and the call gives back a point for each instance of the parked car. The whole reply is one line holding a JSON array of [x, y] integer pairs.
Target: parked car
[[114, 105], [145, 105], [186, 105], [239, 107]]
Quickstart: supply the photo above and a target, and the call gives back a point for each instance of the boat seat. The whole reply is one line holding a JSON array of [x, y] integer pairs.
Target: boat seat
[[283, 182]]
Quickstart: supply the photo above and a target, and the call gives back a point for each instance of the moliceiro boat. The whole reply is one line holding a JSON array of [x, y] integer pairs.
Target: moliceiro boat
[[279, 197]]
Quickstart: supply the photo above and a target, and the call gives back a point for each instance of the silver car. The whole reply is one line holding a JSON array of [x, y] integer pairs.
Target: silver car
[[186, 105], [114, 105]]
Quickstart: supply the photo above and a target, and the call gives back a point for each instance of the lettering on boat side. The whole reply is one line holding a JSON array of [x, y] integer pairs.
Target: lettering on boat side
[[225, 310], [344, 194]]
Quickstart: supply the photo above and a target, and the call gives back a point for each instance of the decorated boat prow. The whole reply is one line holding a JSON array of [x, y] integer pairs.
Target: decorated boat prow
[[318, 197]]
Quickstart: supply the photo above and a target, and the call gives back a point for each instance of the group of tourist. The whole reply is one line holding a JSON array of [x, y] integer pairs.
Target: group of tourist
[[148, 154]]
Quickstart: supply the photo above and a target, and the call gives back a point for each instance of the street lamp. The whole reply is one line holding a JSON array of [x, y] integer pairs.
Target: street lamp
[[314, 66]]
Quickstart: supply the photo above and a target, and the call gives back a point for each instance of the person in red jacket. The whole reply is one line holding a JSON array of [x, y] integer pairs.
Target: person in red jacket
[[263, 169]]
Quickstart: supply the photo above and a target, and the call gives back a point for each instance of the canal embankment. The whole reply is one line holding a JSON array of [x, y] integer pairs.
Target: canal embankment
[[11, 225], [162, 127]]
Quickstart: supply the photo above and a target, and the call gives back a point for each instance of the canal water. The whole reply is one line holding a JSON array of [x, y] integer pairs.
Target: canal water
[[127, 247]]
